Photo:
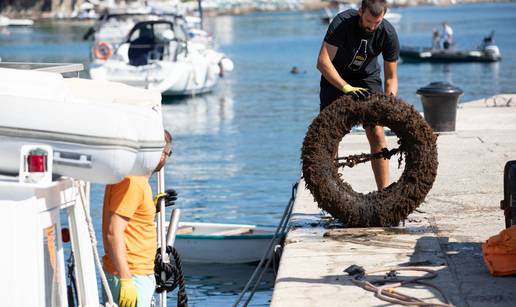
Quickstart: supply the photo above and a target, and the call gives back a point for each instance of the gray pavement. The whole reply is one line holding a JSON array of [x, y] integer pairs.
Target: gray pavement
[[445, 234]]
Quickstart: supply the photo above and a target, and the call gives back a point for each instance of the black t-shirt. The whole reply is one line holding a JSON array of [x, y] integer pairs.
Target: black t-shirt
[[356, 59]]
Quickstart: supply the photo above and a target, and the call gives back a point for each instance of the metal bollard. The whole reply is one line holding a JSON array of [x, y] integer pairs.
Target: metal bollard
[[440, 101]]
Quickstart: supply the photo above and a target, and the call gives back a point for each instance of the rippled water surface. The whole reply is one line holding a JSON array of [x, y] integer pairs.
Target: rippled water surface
[[236, 151]]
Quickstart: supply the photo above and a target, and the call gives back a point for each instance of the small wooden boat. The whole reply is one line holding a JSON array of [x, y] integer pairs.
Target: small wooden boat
[[488, 51], [222, 243]]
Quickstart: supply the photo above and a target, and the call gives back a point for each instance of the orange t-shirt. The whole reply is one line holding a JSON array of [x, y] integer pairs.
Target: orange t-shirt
[[132, 198]]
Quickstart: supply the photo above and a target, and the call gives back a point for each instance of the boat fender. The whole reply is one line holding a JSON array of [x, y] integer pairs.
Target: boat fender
[[378, 208], [226, 64], [221, 69], [103, 51]]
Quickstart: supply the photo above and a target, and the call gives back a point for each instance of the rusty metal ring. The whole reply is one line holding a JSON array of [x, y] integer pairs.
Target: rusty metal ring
[[378, 208]]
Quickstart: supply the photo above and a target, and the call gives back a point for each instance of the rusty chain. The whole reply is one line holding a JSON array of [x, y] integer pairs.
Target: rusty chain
[[385, 153]]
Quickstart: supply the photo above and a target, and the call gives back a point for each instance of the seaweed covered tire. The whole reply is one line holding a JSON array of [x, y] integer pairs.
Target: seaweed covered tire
[[379, 208]]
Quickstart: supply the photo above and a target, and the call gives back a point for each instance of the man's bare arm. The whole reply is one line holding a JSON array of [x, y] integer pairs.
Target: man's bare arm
[[325, 66], [391, 77], [116, 243]]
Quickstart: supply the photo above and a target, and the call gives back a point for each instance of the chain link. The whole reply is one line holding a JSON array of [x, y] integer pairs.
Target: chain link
[[385, 153]]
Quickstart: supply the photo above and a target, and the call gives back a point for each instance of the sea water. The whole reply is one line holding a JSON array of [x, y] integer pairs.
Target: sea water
[[237, 151]]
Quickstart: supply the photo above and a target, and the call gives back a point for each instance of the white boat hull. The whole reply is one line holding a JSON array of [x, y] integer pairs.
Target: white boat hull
[[222, 243], [169, 78]]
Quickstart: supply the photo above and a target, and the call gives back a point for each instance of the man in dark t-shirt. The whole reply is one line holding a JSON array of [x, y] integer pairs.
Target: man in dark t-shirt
[[348, 64]]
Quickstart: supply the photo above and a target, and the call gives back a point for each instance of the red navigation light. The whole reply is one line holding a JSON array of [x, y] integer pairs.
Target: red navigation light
[[65, 235], [37, 163]]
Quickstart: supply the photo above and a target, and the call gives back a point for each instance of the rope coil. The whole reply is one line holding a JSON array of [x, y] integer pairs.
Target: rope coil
[[170, 275]]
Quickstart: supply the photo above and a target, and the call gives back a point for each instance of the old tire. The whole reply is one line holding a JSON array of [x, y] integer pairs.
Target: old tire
[[379, 208]]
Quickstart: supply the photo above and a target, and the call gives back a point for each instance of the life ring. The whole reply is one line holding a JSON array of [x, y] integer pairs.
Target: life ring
[[103, 51], [378, 208]]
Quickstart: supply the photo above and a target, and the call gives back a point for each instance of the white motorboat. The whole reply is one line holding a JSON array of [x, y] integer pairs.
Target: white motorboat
[[157, 55], [9, 22], [89, 124], [222, 243]]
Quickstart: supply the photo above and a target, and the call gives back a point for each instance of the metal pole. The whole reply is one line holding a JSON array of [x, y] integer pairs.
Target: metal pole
[[173, 223], [199, 5], [160, 176]]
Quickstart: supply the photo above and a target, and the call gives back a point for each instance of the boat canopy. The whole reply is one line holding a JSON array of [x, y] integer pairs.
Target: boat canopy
[[157, 30]]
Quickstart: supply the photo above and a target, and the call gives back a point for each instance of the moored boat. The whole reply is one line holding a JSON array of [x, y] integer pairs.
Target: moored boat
[[158, 55], [488, 51], [222, 243]]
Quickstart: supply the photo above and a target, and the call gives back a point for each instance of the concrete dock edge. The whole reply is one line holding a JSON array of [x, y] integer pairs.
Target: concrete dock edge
[[445, 233]]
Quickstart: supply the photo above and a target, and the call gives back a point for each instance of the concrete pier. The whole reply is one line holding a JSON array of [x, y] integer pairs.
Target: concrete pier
[[445, 234]]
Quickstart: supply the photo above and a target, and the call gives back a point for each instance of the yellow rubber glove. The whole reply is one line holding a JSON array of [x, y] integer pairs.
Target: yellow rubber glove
[[170, 197], [128, 293], [356, 92]]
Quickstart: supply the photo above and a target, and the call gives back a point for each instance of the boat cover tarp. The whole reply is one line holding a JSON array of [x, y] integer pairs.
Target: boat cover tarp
[[118, 127]]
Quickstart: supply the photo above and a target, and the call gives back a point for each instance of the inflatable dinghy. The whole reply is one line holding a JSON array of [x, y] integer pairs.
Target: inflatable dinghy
[[487, 51], [99, 131]]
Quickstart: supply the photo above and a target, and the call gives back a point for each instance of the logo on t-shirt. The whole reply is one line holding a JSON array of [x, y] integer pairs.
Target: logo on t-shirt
[[360, 56]]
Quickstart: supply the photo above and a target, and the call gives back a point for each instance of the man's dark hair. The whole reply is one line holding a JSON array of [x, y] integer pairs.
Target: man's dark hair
[[375, 7]]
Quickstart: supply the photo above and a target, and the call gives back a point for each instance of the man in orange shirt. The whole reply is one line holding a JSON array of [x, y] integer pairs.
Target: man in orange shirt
[[129, 236]]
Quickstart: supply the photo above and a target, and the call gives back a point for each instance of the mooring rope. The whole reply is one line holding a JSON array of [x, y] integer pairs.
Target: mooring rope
[[390, 282], [174, 276], [267, 255], [93, 240]]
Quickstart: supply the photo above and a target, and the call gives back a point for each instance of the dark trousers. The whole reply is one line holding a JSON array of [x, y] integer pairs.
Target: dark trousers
[[327, 96]]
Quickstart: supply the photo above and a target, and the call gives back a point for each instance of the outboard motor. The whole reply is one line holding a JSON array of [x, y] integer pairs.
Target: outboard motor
[[489, 47]]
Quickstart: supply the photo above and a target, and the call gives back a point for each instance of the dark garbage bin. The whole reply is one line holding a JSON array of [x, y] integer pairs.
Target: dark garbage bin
[[440, 105]]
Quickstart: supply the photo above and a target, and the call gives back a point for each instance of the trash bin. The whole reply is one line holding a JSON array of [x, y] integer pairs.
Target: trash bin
[[440, 105]]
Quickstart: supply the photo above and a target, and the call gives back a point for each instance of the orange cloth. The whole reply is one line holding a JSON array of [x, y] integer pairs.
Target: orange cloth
[[132, 198], [500, 252]]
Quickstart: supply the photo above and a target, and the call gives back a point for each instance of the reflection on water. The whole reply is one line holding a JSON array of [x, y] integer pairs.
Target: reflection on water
[[200, 115], [485, 76], [222, 29], [220, 285]]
